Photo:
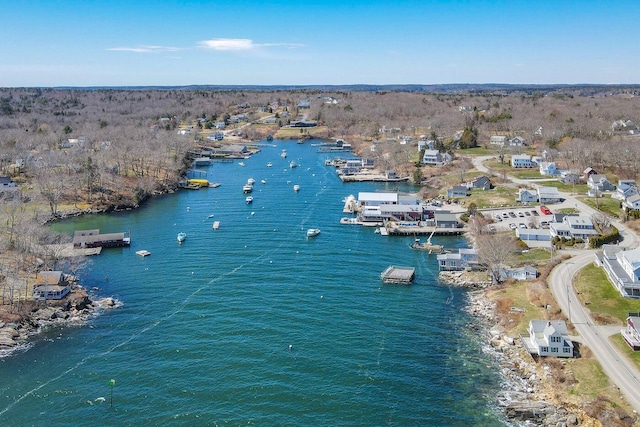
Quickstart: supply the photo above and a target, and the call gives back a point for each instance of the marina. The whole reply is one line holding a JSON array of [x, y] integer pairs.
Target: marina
[[258, 301]]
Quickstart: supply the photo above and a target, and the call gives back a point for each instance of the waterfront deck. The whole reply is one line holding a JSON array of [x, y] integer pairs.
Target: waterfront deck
[[398, 275], [370, 177]]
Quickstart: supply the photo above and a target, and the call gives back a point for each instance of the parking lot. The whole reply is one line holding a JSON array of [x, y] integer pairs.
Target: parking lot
[[522, 217]]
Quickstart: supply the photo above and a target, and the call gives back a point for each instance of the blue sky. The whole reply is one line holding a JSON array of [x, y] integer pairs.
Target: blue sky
[[247, 42]]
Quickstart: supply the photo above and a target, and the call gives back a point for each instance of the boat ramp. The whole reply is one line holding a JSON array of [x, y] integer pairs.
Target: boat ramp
[[398, 275]]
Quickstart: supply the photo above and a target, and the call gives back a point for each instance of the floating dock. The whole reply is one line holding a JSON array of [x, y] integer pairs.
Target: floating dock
[[216, 225], [143, 253], [398, 275]]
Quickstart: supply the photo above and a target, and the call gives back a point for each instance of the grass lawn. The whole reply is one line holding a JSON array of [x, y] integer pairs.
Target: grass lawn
[[477, 151], [516, 293], [525, 173], [534, 256], [604, 204], [598, 294], [496, 197]]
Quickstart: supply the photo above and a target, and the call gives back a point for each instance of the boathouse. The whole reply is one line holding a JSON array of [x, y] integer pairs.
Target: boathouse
[[93, 239]]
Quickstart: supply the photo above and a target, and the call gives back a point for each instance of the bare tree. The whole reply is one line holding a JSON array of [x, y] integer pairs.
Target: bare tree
[[495, 250]]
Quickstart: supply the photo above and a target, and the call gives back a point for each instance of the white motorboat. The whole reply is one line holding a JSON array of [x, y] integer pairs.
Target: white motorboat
[[292, 164], [249, 200], [269, 165], [247, 188], [241, 163], [181, 237], [296, 187], [143, 253], [313, 232], [264, 181], [251, 181], [283, 154]]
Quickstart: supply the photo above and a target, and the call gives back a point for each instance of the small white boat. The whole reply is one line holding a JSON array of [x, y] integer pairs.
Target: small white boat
[[143, 253], [241, 164], [251, 181], [296, 187], [269, 165], [264, 181], [249, 200], [313, 232], [283, 154], [247, 188], [181, 237], [292, 164]]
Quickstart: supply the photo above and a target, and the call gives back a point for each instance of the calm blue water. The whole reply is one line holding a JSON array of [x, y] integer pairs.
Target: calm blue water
[[253, 324]]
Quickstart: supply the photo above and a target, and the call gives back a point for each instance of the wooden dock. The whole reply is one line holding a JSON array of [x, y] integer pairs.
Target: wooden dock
[[398, 275], [397, 230]]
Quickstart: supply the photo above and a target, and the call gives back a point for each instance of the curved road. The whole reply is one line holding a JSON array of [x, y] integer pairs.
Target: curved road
[[623, 373]]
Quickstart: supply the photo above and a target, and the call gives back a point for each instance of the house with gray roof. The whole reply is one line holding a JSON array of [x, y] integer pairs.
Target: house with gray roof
[[527, 196], [548, 195], [600, 182], [631, 334], [458, 261], [548, 338], [632, 202], [457, 191], [622, 268]]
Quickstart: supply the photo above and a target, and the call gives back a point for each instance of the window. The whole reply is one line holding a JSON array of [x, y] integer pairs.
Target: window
[[555, 339], [544, 349], [566, 350], [554, 349]]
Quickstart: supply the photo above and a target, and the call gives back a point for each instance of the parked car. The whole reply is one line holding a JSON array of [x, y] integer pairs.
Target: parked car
[[544, 224], [526, 213], [512, 215], [545, 210], [505, 215], [513, 226], [534, 212], [520, 214], [521, 225]]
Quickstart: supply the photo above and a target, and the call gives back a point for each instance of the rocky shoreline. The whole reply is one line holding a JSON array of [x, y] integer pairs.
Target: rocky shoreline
[[34, 317], [528, 396]]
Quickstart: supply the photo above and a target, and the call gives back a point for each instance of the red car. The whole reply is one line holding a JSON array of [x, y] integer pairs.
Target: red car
[[545, 210]]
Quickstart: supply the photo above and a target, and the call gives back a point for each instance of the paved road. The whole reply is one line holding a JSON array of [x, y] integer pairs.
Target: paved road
[[624, 374]]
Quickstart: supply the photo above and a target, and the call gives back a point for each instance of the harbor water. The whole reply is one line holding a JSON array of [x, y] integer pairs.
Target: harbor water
[[254, 323]]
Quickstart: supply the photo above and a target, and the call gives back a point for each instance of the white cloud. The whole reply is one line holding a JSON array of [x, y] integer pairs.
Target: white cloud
[[146, 49], [239, 44]]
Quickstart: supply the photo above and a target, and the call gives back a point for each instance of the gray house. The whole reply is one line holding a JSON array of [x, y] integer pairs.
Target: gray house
[[457, 191]]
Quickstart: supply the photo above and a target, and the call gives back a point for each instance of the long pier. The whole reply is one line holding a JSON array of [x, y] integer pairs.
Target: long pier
[[397, 230]]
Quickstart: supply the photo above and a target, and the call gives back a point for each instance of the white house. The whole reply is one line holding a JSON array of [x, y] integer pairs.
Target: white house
[[577, 226], [622, 268], [522, 161], [625, 189], [631, 335], [458, 261], [548, 338], [632, 202], [50, 285], [432, 157], [548, 168], [498, 140]]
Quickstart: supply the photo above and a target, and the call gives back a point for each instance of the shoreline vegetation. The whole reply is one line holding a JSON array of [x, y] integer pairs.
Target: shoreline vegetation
[[76, 152]]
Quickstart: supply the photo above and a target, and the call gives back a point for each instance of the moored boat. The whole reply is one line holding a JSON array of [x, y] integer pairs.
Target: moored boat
[[296, 187], [181, 237], [247, 188], [313, 232], [249, 200], [292, 164], [283, 154]]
